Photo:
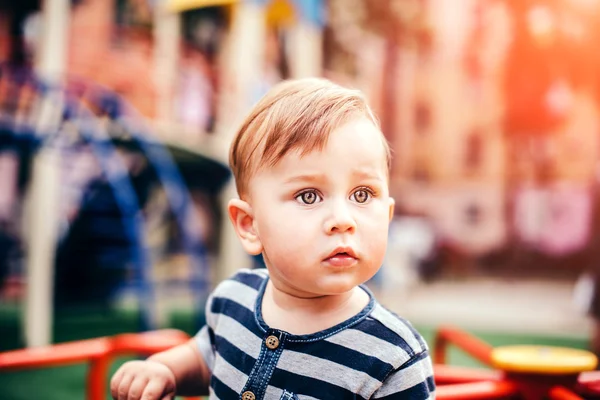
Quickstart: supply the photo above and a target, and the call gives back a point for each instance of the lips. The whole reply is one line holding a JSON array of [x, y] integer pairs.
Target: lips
[[347, 251], [341, 257]]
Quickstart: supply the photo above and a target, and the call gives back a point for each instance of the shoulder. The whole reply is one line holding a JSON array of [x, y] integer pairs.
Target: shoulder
[[236, 296], [391, 337], [242, 287], [398, 330], [244, 279]]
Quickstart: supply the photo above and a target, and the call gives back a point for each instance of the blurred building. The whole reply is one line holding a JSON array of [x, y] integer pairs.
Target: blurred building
[[192, 69], [434, 73], [450, 150], [490, 106], [492, 112]]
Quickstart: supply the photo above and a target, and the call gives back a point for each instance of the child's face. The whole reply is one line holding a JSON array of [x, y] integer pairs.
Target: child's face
[[322, 219]]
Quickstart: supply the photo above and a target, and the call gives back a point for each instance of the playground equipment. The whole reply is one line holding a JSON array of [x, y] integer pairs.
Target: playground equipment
[[63, 120], [113, 110], [520, 372], [98, 353]]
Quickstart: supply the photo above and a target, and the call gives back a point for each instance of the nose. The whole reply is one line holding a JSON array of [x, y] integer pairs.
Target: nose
[[340, 219]]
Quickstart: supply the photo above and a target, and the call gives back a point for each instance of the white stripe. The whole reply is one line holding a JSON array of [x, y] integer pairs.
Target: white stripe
[[229, 375], [273, 392], [398, 326], [370, 345], [231, 290], [313, 367], [238, 292], [205, 348], [211, 317], [406, 378], [239, 336]]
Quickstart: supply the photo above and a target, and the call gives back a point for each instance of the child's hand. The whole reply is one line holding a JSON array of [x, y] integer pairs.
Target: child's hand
[[143, 380]]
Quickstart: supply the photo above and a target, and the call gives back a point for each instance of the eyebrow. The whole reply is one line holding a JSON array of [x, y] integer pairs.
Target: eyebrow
[[306, 178], [366, 174], [318, 178]]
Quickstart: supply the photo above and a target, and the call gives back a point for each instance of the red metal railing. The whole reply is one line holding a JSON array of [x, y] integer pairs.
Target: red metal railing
[[453, 382], [99, 353], [456, 383], [470, 344]]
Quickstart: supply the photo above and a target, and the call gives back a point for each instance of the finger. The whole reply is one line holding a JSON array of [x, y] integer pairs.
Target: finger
[[168, 397], [137, 388], [114, 383], [123, 389], [155, 390]]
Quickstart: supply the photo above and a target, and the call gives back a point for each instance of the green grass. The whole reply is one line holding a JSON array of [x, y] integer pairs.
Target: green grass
[[68, 383]]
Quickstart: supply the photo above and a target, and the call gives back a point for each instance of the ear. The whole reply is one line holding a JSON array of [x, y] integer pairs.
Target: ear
[[242, 218], [392, 204]]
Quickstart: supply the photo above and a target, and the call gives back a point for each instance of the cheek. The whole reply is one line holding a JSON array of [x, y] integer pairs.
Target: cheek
[[289, 248], [286, 231], [375, 234], [376, 241]]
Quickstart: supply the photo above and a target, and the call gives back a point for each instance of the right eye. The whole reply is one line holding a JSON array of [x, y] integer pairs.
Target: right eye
[[309, 197]]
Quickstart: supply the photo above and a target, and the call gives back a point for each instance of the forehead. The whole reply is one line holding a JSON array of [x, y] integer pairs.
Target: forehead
[[355, 145]]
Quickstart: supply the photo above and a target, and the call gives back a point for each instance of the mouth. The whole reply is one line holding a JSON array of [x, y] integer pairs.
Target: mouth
[[341, 257]]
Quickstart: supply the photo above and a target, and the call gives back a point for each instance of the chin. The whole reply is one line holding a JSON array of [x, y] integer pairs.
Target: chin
[[343, 286]]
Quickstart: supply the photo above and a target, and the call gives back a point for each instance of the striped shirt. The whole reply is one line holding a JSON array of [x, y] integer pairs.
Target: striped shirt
[[373, 355]]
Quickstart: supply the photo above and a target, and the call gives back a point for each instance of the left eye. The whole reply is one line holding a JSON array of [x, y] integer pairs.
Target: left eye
[[309, 197], [361, 196]]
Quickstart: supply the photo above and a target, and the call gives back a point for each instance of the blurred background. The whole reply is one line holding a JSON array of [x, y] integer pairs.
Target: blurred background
[[115, 122]]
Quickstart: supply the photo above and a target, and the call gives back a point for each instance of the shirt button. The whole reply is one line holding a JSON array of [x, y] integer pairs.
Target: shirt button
[[248, 395], [272, 342]]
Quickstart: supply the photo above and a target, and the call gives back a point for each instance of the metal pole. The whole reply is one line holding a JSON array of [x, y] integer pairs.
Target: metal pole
[[167, 28], [245, 66], [43, 202], [306, 58]]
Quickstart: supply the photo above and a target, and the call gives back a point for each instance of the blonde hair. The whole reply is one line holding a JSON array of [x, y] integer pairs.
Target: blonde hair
[[293, 115]]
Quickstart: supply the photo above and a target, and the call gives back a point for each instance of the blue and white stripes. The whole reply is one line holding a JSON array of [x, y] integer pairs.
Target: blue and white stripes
[[375, 354]]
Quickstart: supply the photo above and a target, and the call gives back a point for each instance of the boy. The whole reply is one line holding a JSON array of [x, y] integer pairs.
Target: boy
[[311, 169]]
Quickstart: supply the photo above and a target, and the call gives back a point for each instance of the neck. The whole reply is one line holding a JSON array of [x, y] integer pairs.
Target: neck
[[295, 302], [301, 315]]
